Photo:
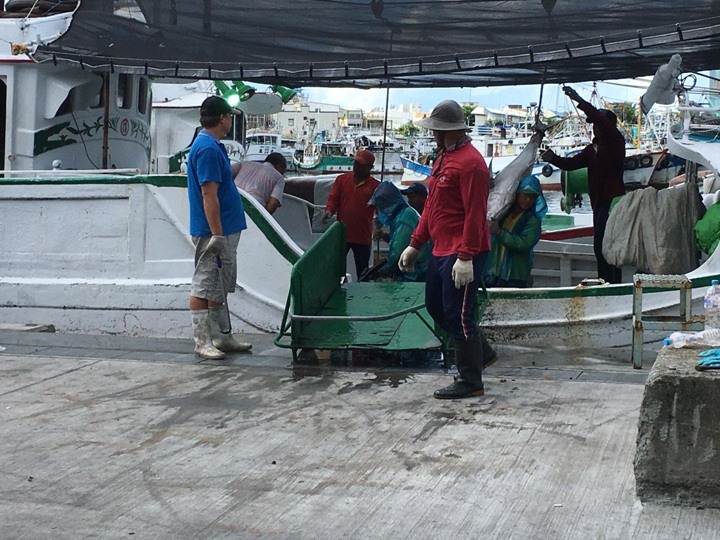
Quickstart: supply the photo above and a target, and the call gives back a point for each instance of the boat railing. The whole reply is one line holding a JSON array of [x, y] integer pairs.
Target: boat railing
[[691, 108], [311, 206], [34, 173], [94, 177]]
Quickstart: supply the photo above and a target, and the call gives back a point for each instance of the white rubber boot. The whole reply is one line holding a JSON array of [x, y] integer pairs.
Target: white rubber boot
[[224, 342], [204, 347]]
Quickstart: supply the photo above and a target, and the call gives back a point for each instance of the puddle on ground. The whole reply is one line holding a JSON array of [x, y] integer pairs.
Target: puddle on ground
[[387, 366], [393, 379], [390, 377], [387, 359], [300, 372]]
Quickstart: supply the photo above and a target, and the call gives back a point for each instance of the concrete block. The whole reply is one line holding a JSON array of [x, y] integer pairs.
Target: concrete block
[[677, 459]]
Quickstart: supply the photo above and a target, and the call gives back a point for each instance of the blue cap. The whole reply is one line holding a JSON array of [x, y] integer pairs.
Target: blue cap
[[417, 187]]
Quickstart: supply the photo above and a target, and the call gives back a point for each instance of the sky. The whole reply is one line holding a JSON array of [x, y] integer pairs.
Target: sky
[[493, 97]]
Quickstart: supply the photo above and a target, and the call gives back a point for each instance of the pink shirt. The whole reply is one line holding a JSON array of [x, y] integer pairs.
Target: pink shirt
[[261, 180]]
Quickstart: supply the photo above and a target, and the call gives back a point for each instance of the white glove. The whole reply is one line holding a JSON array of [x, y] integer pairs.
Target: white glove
[[462, 273], [217, 245], [407, 259]]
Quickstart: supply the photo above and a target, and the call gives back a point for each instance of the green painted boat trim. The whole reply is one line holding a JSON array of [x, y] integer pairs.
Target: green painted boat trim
[[328, 161], [625, 289], [159, 180], [162, 180]]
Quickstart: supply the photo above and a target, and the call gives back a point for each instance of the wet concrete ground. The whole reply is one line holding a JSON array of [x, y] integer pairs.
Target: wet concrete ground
[[108, 436]]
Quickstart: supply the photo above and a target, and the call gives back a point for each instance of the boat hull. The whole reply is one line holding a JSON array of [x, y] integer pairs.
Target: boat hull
[[326, 164], [116, 259], [596, 317]]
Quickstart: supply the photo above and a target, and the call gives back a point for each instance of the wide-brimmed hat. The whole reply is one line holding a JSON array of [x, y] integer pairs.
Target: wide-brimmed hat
[[446, 116]]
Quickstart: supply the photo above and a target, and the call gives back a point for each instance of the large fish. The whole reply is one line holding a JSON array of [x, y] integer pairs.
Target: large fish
[[502, 191]]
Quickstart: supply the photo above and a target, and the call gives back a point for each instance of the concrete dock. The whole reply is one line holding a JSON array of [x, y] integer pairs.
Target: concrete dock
[[109, 437]]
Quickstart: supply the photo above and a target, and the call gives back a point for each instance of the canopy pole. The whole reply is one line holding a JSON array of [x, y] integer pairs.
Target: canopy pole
[[539, 107], [639, 123], [106, 118], [548, 6], [385, 120]]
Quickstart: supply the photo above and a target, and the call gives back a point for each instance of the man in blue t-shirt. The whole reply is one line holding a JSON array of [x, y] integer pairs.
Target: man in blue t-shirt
[[216, 220]]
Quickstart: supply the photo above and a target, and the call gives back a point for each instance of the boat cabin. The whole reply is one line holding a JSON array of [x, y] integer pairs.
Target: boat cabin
[[54, 117], [259, 145]]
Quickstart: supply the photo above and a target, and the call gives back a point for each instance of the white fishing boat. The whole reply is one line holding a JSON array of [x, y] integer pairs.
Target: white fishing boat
[[175, 123], [259, 144], [647, 164], [414, 171], [110, 254], [595, 315], [63, 117], [498, 146], [321, 157]]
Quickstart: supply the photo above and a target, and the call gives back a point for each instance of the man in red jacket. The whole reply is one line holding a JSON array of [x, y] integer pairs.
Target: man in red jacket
[[604, 159], [349, 197], [454, 219]]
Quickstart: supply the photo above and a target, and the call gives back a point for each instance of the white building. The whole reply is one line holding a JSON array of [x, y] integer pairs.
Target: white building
[[510, 115], [354, 119], [307, 119], [398, 115]]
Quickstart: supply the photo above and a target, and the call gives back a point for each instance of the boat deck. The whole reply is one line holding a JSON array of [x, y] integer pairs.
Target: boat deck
[[110, 436]]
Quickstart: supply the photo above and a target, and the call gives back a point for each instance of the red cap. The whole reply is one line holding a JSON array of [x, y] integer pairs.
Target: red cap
[[365, 157]]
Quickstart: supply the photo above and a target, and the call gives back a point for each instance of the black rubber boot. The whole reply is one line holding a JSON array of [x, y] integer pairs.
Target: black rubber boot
[[460, 388], [490, 356], [469, 362]]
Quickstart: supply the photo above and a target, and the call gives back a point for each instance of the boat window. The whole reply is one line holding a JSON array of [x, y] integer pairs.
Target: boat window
[[67, 105], [124, 91], [143, 96]]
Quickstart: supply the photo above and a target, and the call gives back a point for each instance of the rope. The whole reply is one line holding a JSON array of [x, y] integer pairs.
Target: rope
[[31, 10]]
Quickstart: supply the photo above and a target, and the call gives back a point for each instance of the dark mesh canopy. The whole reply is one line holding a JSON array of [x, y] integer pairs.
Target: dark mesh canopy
[[363, 43]]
